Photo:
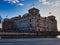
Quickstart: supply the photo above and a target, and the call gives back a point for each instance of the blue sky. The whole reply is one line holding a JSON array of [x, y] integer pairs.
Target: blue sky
[[12, 8]]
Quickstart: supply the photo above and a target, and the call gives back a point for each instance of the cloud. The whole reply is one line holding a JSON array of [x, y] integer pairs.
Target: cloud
[[57, 3], [15, 2], [54, 3], [45, 2], [20, 4], [12, 1]]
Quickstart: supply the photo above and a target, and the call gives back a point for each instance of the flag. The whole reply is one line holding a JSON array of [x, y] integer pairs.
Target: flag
[[50, 12], [33, 5]]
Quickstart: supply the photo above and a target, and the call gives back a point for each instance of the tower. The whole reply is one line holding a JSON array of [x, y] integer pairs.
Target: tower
[[52, 18], [33, 11]]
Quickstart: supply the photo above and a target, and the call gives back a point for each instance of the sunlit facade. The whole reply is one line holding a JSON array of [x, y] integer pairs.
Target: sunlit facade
[[32, 21]]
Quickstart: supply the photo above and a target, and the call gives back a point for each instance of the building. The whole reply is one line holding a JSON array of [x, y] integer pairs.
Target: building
[[8, 25], [31, 21]]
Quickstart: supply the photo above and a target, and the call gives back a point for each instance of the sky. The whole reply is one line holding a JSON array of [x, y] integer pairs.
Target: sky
[[12, 8]]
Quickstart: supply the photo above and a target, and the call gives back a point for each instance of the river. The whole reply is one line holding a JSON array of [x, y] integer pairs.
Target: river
[[30, 41]]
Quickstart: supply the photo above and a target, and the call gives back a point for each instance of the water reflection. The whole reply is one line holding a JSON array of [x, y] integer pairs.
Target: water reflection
[[58, 36], [30, 41]]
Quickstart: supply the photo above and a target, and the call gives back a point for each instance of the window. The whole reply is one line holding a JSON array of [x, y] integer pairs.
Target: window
[[30, 20], [30, 25], [37, 24], [39, 30], [37, 20]]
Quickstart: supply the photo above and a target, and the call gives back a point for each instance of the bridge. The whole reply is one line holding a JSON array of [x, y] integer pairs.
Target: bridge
[[28, 35]]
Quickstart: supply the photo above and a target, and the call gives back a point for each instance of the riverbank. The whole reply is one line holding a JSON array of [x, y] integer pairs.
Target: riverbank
[[9, 35]]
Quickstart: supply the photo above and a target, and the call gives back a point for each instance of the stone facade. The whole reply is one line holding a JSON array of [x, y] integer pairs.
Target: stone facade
[[33, 21]]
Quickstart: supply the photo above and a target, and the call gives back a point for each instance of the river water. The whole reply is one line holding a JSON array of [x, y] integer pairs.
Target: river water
[[30, 41], [58, 36]]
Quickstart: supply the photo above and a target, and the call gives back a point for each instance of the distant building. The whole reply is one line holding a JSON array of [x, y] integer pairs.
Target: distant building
[[0, 19], [31, 21]]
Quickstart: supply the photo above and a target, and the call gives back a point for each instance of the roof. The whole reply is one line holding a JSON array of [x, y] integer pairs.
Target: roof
[[33, 9]]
